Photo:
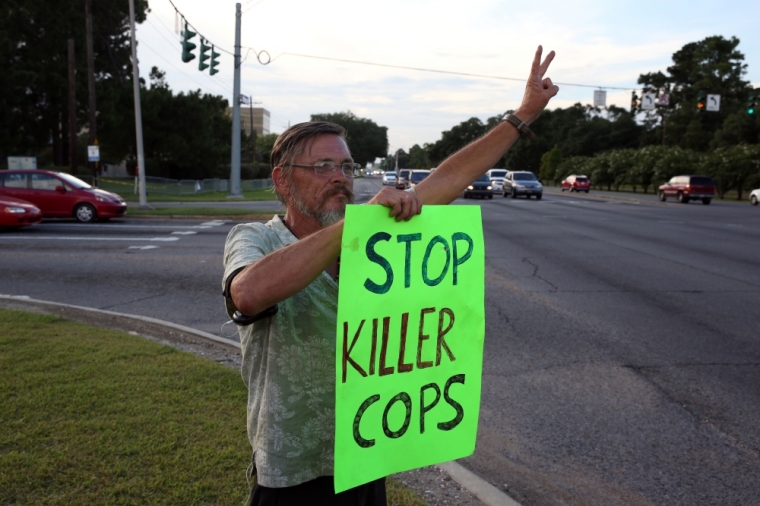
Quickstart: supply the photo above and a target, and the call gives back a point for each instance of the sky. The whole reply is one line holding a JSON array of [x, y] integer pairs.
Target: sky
[[601, 44]]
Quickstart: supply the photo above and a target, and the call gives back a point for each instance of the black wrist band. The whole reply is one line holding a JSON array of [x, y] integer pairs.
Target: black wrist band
[[521, 127]]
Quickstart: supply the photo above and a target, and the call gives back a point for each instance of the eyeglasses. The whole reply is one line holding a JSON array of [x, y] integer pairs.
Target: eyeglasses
[[329, 168]]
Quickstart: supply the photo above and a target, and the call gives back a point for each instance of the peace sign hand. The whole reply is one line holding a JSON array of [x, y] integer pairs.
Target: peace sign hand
[[538, 90]]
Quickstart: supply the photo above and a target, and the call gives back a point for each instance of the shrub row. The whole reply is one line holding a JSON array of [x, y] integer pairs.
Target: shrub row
[[732, 168]]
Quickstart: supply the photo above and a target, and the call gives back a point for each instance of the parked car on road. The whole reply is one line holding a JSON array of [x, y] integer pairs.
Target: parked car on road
[[686, 188], [402, 178], [481, 187], [518, 183], [497, 179], [60, 195], [18, 213], [575, 183], [389, 178], [754, 197]]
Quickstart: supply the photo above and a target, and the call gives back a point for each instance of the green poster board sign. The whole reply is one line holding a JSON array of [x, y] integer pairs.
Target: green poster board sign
[[409, 354]]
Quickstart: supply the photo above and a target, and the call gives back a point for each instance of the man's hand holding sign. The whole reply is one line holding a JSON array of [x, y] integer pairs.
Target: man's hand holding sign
[[386, 371]]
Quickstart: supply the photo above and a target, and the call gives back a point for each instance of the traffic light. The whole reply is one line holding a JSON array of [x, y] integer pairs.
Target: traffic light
[[202, 65], [187, 46], [634, 102], [214, 62], [701, 101], [752, 102]]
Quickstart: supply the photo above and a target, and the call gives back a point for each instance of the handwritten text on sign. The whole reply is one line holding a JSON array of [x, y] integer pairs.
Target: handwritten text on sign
[[409, 340]]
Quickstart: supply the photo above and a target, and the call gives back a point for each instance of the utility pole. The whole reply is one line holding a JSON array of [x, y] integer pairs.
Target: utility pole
[[235, 168], [72, 110], [93, 138], [138, 109]]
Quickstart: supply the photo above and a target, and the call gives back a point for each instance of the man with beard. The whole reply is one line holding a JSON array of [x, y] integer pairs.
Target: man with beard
[[292, 263]]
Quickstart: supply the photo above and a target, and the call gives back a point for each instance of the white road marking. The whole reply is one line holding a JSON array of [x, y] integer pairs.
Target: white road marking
[[72, 238], [119, 227], [214, 223], [143, 247], [186, 232]]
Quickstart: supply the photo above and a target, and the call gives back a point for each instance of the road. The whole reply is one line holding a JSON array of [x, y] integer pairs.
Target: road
[[622, 360]]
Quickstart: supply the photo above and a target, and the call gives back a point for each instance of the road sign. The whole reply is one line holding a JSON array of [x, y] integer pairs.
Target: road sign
[[22, 162], [647, 101], [713, 103], [600, 98], [93, 153], [664, 99]]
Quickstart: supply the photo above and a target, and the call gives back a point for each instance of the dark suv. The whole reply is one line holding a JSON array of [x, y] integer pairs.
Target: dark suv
[[686, 188]]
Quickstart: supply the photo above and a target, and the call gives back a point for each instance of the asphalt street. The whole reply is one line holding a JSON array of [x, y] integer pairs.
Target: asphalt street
[[622, 361]]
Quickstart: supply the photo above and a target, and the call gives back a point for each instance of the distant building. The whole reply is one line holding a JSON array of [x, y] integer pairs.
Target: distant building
[[258, 116]]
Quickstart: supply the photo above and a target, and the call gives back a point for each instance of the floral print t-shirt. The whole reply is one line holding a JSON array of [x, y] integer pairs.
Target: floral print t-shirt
[[288, 366]]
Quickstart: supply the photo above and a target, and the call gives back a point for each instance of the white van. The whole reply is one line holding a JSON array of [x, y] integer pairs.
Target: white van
[[497, 179]]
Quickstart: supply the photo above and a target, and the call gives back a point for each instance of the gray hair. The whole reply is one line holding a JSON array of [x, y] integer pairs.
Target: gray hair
[[292, 142]]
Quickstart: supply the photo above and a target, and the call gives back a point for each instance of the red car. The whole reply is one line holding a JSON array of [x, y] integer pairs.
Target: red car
[[686, 188], [18, 213], [576, 184], [60, 195]]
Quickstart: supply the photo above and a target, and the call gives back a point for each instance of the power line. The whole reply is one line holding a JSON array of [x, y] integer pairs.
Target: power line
[[437, 71], [252, 6], [176, 43], [198, 31]]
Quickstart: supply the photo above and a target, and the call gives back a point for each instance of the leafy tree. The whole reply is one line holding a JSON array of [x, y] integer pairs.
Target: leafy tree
[[550, 161], [418, 157], [733, 168], [712, 65], [455, 139], [186, 136], [739, 128], [366, 139], [264, 145], [34, 80]]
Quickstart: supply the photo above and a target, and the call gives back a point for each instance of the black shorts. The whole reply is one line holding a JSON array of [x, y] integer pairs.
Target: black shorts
[[320, 492]]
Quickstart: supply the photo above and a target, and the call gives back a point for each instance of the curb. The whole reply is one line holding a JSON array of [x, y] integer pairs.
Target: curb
[[145, 319], [631, 200], [477, 486]]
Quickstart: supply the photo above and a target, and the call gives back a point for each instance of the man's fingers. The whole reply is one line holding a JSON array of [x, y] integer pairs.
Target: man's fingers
[[545, 65], [535, 68]]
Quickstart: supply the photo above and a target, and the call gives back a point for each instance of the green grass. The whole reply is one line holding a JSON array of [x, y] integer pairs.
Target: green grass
[[126, 189], [92, 416], [200, 211]]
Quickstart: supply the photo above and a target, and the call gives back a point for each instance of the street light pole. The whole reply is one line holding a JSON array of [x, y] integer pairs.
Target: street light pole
[[138, 110], [235, 168]]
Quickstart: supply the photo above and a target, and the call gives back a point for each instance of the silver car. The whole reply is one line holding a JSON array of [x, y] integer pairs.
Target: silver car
[[754, 197], [389, 178]]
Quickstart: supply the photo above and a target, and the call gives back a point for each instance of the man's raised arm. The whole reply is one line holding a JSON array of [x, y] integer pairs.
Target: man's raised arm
[[469, 163]]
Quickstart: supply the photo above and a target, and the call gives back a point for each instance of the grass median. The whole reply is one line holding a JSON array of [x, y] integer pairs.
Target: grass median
[[93, 416], [129, 195]]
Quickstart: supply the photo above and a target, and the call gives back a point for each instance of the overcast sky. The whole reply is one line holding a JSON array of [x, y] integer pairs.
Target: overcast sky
[[598, 43]]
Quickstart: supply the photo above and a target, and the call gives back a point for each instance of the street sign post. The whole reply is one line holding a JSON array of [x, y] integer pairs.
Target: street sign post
[[713, 103], [93, 153], [647, 101], [600, 98]]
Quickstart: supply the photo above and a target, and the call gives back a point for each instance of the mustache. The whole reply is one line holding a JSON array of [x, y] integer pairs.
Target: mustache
[[338, 190]]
